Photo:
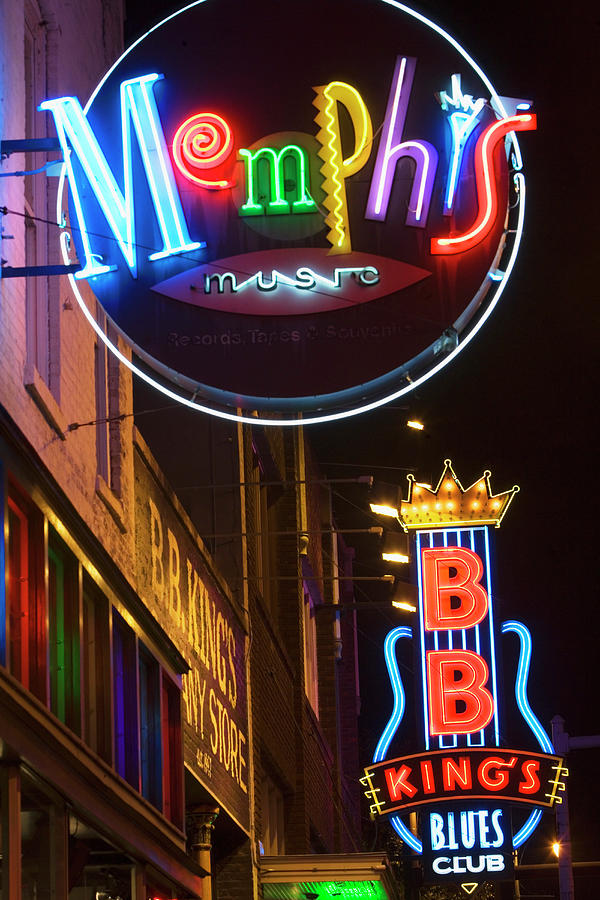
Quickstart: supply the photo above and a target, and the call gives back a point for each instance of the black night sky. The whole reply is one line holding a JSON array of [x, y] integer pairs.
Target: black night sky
[[521, 398]]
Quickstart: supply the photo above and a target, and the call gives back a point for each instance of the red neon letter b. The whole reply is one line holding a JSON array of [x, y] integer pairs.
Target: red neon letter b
[[439, 587], [455, 676]]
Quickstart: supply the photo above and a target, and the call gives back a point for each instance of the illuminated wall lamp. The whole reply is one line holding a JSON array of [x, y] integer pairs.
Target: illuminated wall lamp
[[405, 596], [414, 423], [404, 604], [384, 510], [395, 547], [395, 557], [556, 848]]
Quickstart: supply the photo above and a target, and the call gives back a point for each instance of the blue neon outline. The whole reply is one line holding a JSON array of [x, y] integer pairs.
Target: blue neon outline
[[526, 711], [521, 684], [406, 834], [118, 208], [389, 652], [396, 717], [462, 125], [375, 404]]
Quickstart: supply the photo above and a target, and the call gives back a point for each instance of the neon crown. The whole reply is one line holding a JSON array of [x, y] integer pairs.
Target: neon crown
[[451, 504]]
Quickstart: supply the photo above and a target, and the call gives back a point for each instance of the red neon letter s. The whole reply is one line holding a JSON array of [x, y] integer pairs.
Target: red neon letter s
[[530, 770], [486, 188], [439, 587], [446, 689]]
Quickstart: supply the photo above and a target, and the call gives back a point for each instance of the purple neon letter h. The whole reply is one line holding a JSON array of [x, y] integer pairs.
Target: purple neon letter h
[[392, 149]]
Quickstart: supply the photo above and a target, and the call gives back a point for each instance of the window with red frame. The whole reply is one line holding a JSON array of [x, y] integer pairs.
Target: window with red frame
[[26, 606], [172, 752]]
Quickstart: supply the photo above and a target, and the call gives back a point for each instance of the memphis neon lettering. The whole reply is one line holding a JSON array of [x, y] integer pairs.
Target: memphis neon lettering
[[203, 144]]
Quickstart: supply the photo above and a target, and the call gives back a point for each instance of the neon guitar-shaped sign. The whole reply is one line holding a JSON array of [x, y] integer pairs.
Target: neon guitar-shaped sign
[[464, 759]]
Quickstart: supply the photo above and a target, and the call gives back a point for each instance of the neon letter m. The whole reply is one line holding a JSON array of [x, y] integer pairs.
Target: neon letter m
[[138, 108], [275, 161]]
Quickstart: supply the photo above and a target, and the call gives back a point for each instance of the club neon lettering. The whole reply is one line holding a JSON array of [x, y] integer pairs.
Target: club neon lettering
[[457, 865]]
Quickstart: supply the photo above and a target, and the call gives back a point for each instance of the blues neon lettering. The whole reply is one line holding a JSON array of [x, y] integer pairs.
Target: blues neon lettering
[[138, 109]]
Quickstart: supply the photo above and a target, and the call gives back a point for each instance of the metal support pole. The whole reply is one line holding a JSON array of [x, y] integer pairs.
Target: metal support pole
[[560, 740], [200, 822]]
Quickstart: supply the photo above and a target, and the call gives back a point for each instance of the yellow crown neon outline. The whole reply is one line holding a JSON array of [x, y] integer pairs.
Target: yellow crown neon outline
[[450, 504]]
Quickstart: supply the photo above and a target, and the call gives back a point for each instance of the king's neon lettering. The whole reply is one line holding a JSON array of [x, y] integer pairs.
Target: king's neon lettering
[[398, 783], [531, 782], [138, 107], [456, 773], [492, 772]]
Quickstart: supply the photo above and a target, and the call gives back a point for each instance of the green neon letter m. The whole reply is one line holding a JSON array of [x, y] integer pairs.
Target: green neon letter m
[[138, 109], [274, 160]]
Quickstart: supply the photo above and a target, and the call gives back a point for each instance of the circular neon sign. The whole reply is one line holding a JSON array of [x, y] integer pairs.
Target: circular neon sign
[[284, 214]]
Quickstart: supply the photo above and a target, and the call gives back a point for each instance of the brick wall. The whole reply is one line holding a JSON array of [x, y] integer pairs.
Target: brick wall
[[80, 42]]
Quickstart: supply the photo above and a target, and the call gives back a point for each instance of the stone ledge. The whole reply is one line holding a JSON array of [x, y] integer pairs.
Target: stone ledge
[[112, 503], [44, 399]]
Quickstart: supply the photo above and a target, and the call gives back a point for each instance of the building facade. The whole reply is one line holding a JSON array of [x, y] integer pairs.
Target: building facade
[[178, 675]]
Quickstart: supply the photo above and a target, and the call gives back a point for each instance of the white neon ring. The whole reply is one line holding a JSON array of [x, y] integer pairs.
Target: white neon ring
[[330, 417]]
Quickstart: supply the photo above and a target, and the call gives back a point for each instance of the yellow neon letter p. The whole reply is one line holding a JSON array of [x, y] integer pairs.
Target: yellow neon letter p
[[335, 168]]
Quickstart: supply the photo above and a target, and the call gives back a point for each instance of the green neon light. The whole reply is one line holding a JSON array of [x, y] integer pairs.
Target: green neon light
[[277, 204], [325, 890]]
